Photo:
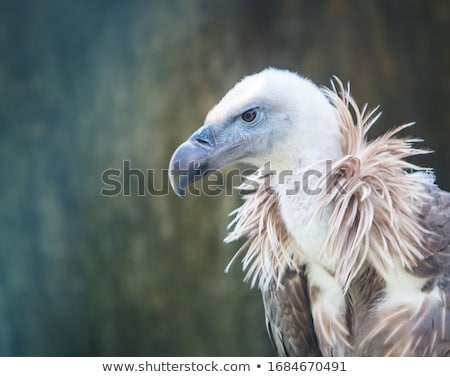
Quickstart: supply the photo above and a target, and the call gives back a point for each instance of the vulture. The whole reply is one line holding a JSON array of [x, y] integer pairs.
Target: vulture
[[347, 240]]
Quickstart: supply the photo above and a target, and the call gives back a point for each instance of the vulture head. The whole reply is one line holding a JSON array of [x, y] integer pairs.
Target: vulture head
[[362, 267], [273, 116]]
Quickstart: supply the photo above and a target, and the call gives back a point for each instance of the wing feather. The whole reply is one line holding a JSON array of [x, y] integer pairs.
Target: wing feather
[[288, 315], [435, 218]]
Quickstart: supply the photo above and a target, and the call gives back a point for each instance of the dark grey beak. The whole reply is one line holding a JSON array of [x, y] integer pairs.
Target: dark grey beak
[[191, 161]]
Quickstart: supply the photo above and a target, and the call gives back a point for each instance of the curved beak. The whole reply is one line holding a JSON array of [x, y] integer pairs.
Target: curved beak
[[192, 160]]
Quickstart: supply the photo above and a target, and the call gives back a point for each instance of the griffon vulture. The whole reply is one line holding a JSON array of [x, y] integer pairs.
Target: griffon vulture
[[347, 241]]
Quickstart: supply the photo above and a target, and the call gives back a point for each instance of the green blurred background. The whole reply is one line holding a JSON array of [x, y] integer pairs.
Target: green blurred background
[[85, 85]]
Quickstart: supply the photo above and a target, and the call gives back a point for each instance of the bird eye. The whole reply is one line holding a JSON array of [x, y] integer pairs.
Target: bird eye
[[249, 116]]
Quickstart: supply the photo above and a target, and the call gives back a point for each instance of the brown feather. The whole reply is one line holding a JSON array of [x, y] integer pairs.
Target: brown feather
[[375, 202], [288, 316]]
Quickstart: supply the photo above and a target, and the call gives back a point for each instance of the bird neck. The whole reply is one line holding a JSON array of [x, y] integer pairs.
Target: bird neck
[[297, 194], [295, 182]]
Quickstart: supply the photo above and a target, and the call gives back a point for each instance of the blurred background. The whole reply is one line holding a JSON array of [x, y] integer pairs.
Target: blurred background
[[86, 85]]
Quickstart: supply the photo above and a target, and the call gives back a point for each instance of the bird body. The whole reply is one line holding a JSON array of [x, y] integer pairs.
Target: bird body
[[348, 242]]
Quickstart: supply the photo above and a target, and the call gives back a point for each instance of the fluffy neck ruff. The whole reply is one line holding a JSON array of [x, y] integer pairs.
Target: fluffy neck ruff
[[374, 203]]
